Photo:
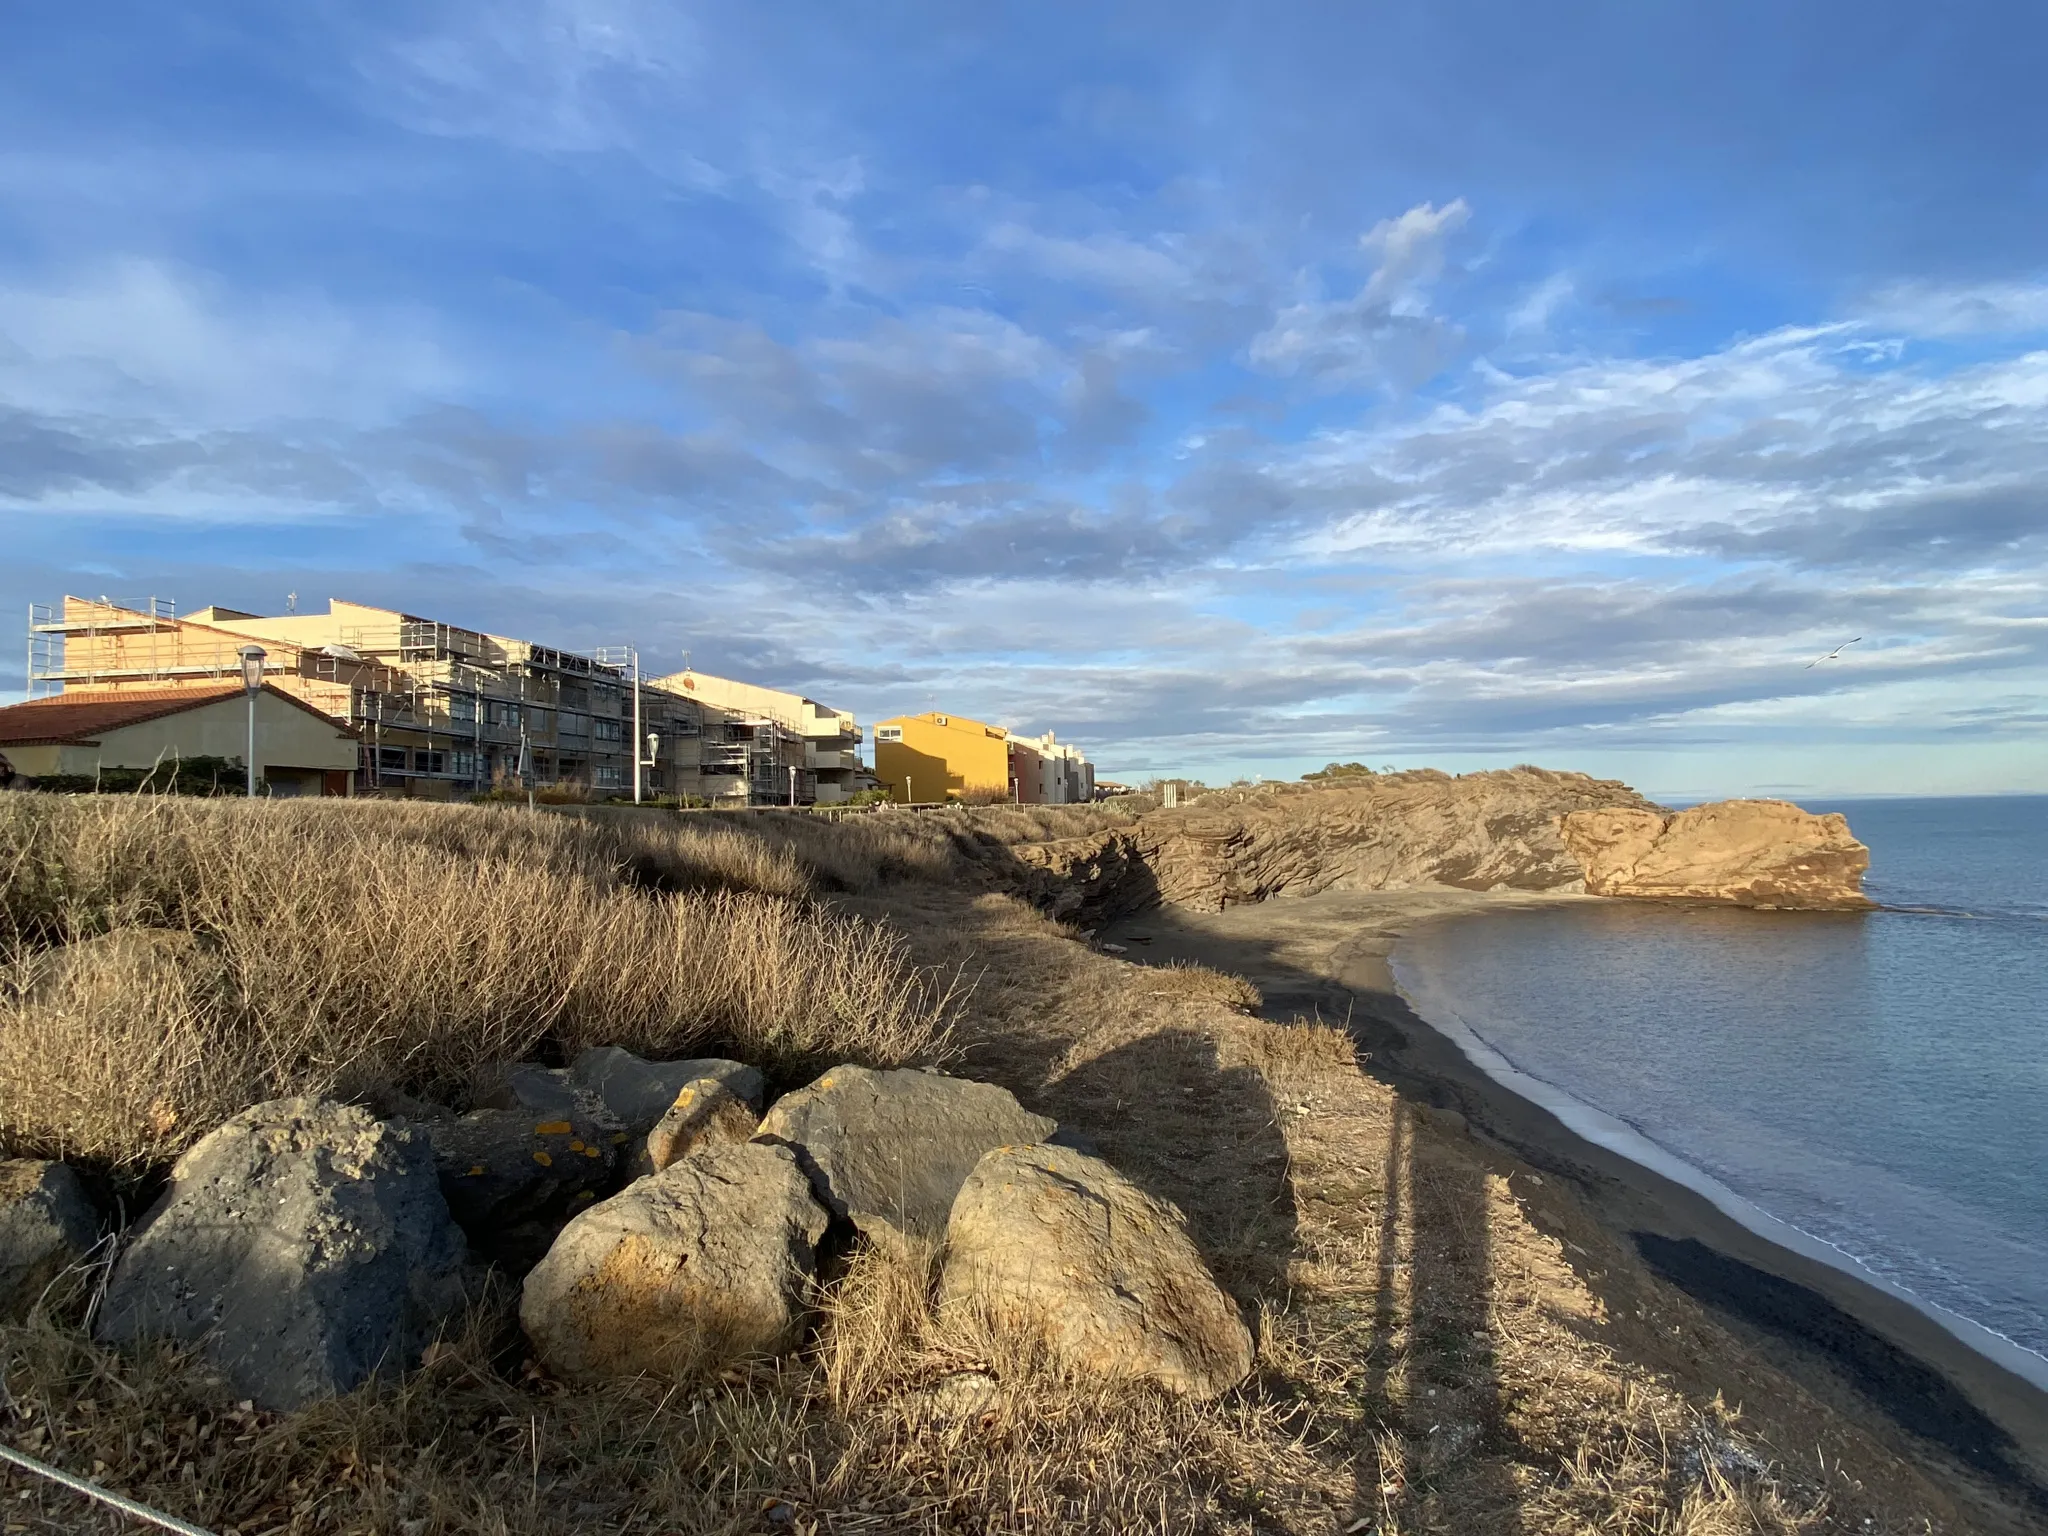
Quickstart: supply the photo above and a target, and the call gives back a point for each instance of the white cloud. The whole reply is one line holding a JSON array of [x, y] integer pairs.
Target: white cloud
[[1981, 309], [1411, 253], [1387, 332], [144, 339]]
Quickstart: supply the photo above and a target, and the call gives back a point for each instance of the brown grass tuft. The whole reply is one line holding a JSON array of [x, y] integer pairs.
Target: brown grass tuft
[[169, 963]]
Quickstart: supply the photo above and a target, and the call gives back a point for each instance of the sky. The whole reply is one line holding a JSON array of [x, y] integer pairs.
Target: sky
[[1232, 389]]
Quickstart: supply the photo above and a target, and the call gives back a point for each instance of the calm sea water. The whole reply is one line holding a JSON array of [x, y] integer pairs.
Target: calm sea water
[[1879, 1080]]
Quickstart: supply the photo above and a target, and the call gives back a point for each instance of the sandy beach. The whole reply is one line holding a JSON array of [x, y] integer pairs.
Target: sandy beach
[[1865, 1351]]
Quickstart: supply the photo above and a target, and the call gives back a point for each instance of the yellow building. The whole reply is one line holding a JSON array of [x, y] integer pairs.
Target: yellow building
[[929, 758], [299, 750]]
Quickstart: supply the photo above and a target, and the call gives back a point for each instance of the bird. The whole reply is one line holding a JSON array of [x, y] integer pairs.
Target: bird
[[1834, 655]]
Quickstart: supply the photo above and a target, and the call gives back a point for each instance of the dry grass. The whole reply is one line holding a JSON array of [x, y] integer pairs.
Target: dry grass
[[1429, 1360], [171, 962]]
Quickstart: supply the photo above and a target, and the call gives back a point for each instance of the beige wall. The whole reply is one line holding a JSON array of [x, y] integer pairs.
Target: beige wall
[[286, 737], [34, 762]]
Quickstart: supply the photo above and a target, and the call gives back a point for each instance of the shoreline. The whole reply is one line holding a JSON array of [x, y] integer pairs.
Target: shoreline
[[1601, 1129], [1331, 956]]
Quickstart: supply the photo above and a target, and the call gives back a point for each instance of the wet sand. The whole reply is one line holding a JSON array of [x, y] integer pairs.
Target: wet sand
[[1328, 957]]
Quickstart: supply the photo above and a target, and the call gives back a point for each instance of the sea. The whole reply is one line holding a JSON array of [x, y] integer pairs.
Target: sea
[[1874, 1085]]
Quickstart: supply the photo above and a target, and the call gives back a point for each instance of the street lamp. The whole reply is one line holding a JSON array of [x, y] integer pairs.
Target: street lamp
[[252, 684]]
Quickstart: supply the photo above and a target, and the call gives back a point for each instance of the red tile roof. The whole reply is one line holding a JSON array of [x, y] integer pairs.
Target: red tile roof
[[76, 719]]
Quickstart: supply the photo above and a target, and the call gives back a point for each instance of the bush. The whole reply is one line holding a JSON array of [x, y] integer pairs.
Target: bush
[[166, 963], [172, 776]]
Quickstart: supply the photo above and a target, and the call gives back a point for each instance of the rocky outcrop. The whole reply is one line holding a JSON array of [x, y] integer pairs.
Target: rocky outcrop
[[1480, 831], [1753, 853], [700, 1264], [706, 1113], [888, 1151], [302, 1246], [46, 1225], [1049, 1246], [638, 1093]]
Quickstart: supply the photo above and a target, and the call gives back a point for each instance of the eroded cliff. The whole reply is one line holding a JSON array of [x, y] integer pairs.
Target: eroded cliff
[[1522, 829]]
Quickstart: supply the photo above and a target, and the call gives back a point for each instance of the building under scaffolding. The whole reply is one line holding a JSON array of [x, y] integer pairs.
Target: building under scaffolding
[[440, 710]]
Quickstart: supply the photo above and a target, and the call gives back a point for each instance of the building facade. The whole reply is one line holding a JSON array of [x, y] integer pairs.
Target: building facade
[[299, 750], [932, 758], [831, 771], [439, 710], [921, 759]]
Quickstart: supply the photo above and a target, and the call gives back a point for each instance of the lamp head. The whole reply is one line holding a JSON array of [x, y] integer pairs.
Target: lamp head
[[252, 666]]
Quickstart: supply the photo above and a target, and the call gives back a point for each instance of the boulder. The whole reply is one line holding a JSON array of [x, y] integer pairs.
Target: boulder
[[705, 1114], [1751, 853], [46, 1225], [508, 1174], [638, 1093], [888, 1151], [302, 1246], [705, 1262], [1050, 1247]]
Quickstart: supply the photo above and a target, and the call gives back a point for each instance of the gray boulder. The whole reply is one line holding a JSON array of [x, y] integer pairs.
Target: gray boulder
[[303, 1246], [1050, 1247], [888, 1151], [706, 1262], [638, 1093], [512, 1177], [46, 1225], [706, 1113]]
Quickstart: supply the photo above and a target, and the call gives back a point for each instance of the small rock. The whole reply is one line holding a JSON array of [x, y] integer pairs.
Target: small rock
[[302, 1246], [703, 1263], [1115, 949], [1050, 1245], [888, 1151], [706, 1113], [46, 1225], [638, 1093], [961, 1397]]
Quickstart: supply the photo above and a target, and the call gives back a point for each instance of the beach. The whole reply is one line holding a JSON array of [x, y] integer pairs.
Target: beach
[[1867, 1352]]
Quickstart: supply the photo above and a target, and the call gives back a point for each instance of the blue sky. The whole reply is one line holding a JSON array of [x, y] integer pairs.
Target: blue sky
[[1230, 388]]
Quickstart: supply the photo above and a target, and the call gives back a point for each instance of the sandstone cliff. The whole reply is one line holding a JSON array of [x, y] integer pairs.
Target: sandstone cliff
[[1523, 829]]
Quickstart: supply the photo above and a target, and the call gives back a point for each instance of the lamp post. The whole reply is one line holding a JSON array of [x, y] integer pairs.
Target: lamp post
[[252, 684]]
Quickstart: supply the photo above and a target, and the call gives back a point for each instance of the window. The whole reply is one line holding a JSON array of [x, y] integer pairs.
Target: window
[[430, 762], [573, 725], [607, 730], [391, 759], [888, 733], [575, 696], [684, 724], [500, 713], [607, 776], [462, 764], [461, 706]]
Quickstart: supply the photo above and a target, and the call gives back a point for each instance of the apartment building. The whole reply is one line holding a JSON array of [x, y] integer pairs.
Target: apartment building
[[1049, 771], [832, 771], [934, 757], [440, 710]]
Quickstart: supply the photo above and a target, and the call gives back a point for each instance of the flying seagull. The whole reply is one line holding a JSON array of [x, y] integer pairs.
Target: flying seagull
[[1834, 655]]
